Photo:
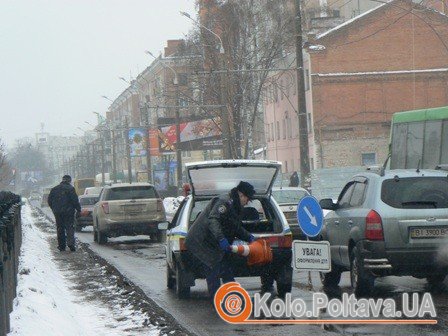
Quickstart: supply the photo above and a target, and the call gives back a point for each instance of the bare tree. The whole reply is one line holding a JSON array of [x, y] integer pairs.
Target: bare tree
[[254, 34], [6, 173]]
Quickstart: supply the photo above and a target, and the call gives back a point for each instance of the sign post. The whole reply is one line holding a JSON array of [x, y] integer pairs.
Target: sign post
[[311, 255]]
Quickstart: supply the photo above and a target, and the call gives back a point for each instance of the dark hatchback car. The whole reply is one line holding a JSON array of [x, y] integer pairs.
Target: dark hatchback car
[[87, 203], [394, 223], [288, 198]]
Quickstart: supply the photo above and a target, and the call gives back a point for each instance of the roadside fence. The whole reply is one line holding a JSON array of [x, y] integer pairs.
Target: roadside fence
[[10, 243]]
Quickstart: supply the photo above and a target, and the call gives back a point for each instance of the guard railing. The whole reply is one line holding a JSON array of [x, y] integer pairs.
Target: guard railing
[[10, 243]]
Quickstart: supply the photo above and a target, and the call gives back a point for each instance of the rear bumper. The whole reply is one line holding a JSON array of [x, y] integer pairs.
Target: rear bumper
[[115, 229], [84, 221], [281, 258], [417, 261]]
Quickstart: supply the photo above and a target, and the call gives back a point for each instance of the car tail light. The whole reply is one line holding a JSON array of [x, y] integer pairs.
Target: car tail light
[[105, 207], [182, 245], [374, 226]]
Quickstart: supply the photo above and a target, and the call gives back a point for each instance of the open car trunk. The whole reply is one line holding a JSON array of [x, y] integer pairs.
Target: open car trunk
[[212, 178]]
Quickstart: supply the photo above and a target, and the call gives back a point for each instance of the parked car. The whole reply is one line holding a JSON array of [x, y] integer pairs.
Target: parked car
[[128, 209], [288, 198], [388, 223], [85, 218], [93, 190], [262, 217]]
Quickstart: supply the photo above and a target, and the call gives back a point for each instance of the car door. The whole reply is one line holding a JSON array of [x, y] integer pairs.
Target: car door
[[333, 222], [170, 234], [352, 216]]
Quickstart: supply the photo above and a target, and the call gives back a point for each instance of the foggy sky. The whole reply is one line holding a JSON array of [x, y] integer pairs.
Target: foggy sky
[[58, 57]]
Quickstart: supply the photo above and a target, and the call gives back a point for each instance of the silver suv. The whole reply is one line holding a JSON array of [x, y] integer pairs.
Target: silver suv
[[390, 223]]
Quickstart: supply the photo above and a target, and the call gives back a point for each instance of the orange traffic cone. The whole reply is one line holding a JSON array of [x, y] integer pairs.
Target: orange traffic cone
[[258, 252]]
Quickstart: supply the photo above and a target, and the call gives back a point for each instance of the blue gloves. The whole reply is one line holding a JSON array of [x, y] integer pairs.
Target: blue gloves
[[251, 239], [224, 245]]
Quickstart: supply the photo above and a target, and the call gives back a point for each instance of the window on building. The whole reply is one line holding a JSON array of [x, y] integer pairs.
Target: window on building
[[368, 159], [277, 129], [286, 166], [284, 128], [275, 93], [186, 154], [281, 89], [182, 79], [294, 84], [272, 131], [268, 138]]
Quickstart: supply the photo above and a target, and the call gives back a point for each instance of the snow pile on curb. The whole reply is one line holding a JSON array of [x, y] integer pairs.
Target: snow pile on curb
[[45, 304]]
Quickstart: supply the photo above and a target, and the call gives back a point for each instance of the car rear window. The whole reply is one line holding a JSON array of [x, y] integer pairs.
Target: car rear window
[[416, 192], [88, 200], [123, 193], [257, 217], [288, 196]]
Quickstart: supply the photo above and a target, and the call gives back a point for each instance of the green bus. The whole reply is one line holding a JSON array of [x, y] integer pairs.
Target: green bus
[[419, 139]]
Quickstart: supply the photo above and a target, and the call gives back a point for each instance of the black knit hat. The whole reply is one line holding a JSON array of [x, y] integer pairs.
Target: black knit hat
[[246, 188], [66, 178]]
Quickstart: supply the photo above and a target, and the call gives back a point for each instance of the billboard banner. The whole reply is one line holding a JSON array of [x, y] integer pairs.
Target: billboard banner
[[153, 142], [194, 135], [137, 141]]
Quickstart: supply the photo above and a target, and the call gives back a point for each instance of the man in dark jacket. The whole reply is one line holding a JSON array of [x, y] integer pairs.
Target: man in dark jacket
[[63, 201], [214, 230]]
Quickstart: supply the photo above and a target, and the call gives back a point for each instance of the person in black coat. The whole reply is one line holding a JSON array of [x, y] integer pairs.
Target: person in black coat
[[214, 230], [63, 201], [294, 180]]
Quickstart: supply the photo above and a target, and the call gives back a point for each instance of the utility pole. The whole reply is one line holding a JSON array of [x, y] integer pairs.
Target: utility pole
[[301, 106], [114, 156], [148, 144], [128, 148], [178, 150], [103, 180], [94, 160]]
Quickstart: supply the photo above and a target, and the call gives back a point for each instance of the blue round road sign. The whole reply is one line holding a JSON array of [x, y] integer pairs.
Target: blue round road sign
[[310, 216]]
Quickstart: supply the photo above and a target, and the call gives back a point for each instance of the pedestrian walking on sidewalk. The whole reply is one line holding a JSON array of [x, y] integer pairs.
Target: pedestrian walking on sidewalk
[[63, 201]]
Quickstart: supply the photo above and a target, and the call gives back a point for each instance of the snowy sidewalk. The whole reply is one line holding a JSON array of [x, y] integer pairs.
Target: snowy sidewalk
[[46, 303]]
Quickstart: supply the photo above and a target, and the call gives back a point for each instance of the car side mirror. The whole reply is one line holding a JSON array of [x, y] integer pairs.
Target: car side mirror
[[163, 226], [327, 204]]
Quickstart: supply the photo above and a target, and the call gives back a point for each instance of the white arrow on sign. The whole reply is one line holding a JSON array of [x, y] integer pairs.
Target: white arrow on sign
[[312, 218]]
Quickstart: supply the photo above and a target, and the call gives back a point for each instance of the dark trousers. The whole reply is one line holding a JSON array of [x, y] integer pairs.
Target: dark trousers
[[65, 229], [213, 275]]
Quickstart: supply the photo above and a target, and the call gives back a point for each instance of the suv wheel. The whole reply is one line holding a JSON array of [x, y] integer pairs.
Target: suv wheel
[[332, 278], [362, 281], [170, 280], [182, 292], [157, 237], [101, 237]]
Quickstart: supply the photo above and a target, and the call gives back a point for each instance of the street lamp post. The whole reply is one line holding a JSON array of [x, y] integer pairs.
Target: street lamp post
[[227, 151], [147, 124], [177, 119]]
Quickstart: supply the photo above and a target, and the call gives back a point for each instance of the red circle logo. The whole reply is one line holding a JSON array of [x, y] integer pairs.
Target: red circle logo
[[233, 303]]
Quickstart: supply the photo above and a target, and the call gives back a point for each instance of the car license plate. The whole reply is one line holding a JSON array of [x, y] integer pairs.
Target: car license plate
[[431, 232], [133, 208]]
